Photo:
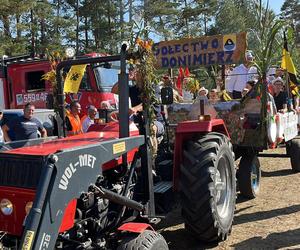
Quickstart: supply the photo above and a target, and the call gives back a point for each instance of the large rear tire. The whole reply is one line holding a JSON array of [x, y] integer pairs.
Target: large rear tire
[[249, 175], [147, 240], [208, 187], [294, 153]]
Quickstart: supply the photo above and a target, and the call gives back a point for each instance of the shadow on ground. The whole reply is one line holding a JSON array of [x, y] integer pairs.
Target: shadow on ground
[[285, 239], [281, 172], [264, 215]]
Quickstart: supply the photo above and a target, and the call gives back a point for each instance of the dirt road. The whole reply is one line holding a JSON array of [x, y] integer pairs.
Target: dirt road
[[271, 221]]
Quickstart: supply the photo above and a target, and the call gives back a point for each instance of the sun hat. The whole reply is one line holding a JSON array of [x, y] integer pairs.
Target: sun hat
[[203, 89], [278, 79]]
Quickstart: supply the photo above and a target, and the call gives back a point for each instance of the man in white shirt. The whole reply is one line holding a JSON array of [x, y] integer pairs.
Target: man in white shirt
[[89, 120], [239, 76]]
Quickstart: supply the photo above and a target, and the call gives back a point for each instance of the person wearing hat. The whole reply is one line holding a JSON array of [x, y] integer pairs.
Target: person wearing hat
[[203, 91], [280, 96], [237, 79]]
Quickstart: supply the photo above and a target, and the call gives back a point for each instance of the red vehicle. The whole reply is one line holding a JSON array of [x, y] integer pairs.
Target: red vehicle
[[21, 82]]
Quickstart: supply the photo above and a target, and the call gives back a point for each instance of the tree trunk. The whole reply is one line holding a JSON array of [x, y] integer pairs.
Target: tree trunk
[[109, 24], [43, 38], [146, 17], [130, 11], [32, 33], [77, 27], [186, 19], [18, 28], [121, 6], [86, 32], [6, 26], [57, 18]]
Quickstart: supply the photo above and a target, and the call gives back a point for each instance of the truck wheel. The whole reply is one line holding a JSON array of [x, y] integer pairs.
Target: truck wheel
[[249, 175], [146, 240], [294, 154], [208, 187]]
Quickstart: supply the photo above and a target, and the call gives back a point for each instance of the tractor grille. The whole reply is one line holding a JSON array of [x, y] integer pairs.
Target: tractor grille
[[20, 170]]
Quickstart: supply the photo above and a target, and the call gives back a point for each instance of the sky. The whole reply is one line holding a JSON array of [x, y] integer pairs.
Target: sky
[[276, 5]]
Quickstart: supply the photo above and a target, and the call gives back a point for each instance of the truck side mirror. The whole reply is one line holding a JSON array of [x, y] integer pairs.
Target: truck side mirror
[[166, 95]]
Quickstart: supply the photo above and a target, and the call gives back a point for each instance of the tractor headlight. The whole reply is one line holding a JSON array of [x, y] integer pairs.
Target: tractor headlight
[[28, 207], [6, 207]]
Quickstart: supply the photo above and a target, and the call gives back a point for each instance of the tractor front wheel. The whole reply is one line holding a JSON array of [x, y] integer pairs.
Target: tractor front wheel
[[147, 240], [208, 187]]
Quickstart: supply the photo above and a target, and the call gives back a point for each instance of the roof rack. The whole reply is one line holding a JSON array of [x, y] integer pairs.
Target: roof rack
[[21, 58]]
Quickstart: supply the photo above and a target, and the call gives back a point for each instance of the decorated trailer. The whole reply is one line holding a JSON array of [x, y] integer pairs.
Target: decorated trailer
[[253, 124]]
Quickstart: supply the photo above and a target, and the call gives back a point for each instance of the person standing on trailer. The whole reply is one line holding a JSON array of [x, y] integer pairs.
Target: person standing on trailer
[[239, 76]]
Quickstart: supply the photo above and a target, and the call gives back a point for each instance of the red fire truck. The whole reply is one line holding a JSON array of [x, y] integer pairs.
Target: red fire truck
[[21, 82]]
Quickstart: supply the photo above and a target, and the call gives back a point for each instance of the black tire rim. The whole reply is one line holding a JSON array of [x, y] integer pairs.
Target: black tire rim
[[223, 187]]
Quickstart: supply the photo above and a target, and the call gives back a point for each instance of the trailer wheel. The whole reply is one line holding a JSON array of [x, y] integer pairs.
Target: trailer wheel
[[146, 240], [294, 153], [249, 175], [208, 187]]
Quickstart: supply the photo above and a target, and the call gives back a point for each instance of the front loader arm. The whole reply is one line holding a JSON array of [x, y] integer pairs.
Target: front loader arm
[[66, 175]]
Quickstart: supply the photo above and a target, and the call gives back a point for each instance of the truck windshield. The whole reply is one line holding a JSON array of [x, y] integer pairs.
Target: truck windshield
[[106, 75]]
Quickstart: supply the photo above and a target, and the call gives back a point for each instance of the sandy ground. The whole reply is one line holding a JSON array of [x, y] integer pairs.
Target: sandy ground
[[271, 221]]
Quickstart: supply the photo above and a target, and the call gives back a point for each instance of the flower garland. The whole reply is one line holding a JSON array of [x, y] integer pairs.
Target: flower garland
[[54, 58], [145, 67]]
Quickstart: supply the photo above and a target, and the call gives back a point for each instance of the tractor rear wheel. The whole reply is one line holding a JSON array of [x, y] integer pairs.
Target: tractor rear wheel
[[249, 174], [147, 240], [294, 154], [208, 187]]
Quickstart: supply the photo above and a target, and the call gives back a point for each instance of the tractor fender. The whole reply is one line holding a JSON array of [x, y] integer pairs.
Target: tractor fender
[[135, 227], [187, 130]]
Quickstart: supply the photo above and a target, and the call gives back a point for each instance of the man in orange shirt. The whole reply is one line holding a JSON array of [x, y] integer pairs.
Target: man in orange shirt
[[73, 122]]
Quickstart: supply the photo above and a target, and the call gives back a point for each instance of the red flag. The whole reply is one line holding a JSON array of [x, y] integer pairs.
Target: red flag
[[187, 72], [179, 80], [178, 85]]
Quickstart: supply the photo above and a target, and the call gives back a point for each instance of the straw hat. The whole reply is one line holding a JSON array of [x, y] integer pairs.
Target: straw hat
[[203, 89]]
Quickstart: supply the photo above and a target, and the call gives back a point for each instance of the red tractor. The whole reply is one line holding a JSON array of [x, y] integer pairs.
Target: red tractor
[[96, 190]]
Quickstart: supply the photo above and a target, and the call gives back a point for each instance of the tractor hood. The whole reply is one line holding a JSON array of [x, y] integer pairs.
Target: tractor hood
[[108, 132]]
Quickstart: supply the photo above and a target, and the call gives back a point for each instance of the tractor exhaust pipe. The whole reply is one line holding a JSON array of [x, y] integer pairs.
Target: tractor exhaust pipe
[[119, 199]]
